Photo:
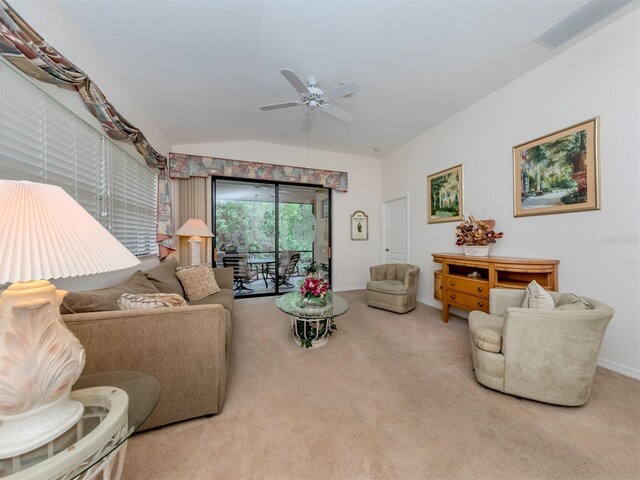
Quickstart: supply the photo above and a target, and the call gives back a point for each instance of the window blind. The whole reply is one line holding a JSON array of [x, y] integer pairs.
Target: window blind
[[42, 141]]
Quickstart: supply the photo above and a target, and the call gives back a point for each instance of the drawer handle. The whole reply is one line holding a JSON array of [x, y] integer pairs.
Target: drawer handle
[[453, 283], [453, 296], [480, 289], [481, 304]]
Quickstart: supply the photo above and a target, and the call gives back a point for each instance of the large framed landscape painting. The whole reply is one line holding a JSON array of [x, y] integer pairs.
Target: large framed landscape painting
[[444, 195], [558, 173]]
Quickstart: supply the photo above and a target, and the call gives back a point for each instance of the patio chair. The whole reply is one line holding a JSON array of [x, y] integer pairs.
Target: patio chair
[[242, 273], [288, 263]]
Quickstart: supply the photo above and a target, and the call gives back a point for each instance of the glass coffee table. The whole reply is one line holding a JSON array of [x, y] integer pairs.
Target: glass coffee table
[[311, 325], [116, 404]]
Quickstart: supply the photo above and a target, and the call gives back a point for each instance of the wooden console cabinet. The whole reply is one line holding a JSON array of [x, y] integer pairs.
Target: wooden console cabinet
[[455, 288]]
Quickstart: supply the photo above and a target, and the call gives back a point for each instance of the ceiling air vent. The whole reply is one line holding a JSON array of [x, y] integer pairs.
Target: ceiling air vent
[[586, 16]]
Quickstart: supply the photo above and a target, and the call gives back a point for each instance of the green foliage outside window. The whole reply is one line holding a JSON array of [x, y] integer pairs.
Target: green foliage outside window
[[250, 227]]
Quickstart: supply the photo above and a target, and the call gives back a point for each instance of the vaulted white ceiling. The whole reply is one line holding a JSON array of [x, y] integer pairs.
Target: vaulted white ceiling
[[201, 69]]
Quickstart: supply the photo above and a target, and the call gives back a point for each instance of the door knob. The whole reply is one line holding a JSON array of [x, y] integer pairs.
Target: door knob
[[386, 249]]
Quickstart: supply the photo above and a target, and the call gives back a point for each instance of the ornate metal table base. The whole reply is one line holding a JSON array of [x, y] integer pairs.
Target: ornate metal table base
[[94, 448], [311, 325], [313, 330]]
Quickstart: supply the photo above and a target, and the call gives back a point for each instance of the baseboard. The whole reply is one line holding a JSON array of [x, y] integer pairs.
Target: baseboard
[[345, 289], [618, 367], [431, 302], [602, 362]]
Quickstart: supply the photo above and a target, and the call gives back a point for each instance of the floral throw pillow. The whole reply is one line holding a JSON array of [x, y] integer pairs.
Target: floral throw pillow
[[198, 281], [132, 301]]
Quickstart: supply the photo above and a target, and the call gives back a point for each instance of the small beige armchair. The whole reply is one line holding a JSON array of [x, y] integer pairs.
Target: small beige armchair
[[393, 287], [544, 355]]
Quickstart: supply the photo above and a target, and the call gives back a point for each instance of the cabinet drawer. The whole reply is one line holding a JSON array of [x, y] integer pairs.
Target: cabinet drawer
[[468, 301], [478, 288]]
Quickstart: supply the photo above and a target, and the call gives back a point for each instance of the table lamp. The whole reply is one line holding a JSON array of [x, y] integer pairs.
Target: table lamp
[[194, 228], [44, 234]]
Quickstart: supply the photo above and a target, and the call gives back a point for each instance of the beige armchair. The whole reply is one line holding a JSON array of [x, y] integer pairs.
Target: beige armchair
[[393, 287], [544, 355]]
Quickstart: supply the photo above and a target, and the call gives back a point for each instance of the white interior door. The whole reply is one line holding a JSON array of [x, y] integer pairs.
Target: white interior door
[[396, 234]]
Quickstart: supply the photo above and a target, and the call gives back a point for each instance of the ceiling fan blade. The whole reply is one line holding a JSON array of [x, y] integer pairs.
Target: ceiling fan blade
[[342, 90], [307, 121], [338, 113], [275, 106], [295, 81]]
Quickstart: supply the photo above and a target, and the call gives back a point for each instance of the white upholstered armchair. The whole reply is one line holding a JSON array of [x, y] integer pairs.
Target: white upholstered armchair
[[545, 355]]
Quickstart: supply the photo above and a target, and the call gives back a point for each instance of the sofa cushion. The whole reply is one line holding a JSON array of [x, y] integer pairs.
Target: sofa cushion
[[486, 331], [393, 287], [537, 297], [132, 301], [164, 277], [224, 297], [105, 299], [198, 281]]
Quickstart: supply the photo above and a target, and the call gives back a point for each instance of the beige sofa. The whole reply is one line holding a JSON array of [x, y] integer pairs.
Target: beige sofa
[[186, 348], [544, 355], [393, 287]]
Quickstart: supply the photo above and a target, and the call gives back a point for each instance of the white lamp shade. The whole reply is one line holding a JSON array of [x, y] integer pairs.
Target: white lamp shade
[[45, 234], [194, 228]]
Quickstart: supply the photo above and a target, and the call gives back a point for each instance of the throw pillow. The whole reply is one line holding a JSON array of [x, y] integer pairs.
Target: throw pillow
[[537, 297], [105, 299], [131, 301], [164, 277], [571, 301], [198, 281]]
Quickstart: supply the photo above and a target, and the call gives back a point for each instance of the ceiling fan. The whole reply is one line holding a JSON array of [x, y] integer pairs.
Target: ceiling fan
[[314, 98]]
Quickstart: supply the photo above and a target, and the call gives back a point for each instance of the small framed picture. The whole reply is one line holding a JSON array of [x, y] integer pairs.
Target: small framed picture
[[444, 195], [359, 226], [325, 208], [558, 173]]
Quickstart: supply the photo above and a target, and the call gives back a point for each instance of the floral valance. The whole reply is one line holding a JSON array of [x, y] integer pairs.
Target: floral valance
[[185, 166]]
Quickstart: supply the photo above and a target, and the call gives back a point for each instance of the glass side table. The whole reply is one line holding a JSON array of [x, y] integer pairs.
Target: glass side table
[[115, 405], [311, 325]]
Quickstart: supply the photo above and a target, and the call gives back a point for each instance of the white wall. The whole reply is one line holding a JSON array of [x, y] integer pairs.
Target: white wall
[[351, 259], [599, 251]]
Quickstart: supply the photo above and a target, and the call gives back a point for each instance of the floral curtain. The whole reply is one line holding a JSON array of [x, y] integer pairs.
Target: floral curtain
[[24, 48]]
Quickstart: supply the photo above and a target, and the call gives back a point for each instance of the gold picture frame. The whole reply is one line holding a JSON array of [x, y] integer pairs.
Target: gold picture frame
[[558, 172], [359, 226], [444, 196]]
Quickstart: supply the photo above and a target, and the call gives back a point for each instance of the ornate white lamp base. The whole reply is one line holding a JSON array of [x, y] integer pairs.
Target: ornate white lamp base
[[195, 243], [41, 359], [28, 433]]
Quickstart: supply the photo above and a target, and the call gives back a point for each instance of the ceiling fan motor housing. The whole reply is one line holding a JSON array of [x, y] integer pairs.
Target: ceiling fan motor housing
[[314, 98]]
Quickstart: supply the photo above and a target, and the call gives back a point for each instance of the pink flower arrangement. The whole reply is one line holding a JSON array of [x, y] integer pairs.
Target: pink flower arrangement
[[314, 286]]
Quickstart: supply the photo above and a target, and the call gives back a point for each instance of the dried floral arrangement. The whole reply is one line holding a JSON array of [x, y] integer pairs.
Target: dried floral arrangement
[[473, 231]]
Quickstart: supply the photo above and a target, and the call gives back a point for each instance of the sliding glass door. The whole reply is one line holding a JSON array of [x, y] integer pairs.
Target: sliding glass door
[[271, 234]]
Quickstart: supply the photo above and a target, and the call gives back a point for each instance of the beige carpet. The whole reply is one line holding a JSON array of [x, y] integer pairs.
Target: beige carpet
[[390, 396]]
